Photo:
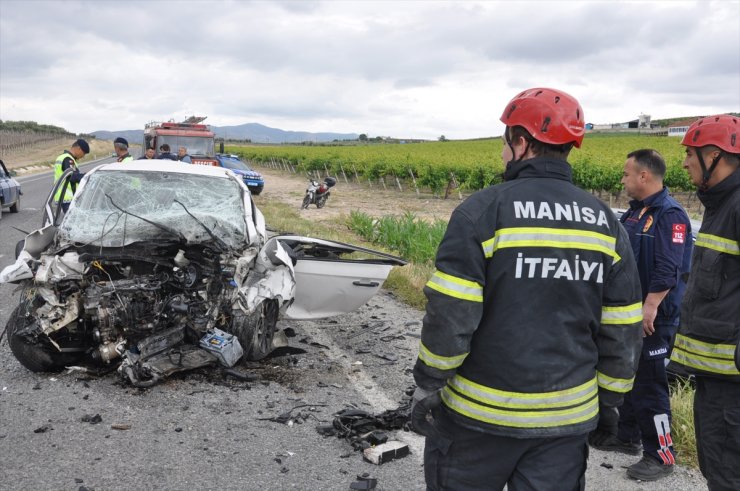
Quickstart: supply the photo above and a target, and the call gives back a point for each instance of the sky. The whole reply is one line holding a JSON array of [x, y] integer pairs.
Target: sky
[[407, 69]]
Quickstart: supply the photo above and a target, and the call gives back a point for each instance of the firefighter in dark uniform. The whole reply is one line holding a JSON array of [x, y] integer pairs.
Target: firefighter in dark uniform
[[533, 326], [660, 232], [708, 338], [68, 159]]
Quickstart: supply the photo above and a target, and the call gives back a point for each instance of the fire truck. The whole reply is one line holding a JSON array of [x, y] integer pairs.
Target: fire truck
[[196, 137]]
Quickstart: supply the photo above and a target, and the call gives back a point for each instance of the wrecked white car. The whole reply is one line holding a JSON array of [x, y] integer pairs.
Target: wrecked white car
[[159, 267]]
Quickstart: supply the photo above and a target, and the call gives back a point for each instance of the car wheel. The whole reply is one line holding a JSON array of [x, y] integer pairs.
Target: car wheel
[[256, 330], [255, 191], [16, 206], [32, 351], [321, 201]]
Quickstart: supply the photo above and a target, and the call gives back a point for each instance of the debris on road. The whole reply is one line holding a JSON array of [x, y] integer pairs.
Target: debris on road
[[92, 419], [364, 481], [386, 452], [364, 430]]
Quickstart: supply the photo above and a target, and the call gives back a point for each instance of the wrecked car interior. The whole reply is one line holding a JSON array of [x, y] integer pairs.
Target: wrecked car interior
[[159, 268]]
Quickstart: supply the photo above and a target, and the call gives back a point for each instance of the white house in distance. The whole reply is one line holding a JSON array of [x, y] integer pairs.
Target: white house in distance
[[679, 128]]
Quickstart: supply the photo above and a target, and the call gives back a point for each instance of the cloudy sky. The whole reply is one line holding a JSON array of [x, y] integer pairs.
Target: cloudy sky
[[406, 69]]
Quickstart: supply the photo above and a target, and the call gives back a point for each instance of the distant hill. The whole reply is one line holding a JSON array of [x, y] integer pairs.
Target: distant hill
[[255, 132], [670, 121]]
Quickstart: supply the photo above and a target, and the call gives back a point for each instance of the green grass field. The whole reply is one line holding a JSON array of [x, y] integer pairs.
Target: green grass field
[[475, 164]]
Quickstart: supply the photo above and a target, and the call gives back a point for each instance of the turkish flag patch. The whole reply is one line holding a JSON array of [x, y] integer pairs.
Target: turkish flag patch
[[679, 233]]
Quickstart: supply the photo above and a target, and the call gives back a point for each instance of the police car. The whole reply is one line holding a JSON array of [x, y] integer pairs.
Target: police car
[[10, 191], [251, 178]]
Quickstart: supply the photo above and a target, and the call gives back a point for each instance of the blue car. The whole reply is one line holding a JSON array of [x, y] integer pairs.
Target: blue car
[[252, 179], [10, 191]]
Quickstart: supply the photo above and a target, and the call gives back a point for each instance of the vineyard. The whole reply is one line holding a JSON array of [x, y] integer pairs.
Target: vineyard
[[472, 164], [19, 136]]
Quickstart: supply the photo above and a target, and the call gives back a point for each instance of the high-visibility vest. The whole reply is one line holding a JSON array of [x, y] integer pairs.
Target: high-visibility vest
[[58, 171]]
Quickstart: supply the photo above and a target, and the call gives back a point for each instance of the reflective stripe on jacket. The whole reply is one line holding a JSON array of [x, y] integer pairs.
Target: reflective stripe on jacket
[[534, 315], [58, 171], [709, 330]]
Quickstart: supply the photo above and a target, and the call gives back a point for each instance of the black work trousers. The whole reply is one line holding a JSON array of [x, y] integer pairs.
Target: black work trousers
[[717, 425], [461, 459], [645, 415]]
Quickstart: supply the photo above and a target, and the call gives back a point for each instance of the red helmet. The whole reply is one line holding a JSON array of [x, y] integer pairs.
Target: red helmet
[[550, 116], [722, 131]]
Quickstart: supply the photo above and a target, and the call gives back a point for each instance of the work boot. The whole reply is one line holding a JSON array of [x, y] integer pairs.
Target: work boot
[[610, 443], [649, 469]]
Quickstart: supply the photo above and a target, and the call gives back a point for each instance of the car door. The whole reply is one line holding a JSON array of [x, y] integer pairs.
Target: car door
[[53, 212], [334, 278]]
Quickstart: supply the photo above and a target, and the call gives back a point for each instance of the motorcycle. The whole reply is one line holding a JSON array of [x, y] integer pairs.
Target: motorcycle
[[317, 193]]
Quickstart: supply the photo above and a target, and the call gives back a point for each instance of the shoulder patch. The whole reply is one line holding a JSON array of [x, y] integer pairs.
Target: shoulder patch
[[679, 233]]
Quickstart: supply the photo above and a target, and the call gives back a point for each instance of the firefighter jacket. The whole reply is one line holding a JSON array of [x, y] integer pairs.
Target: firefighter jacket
[[533, 314], [709, 330], [660, 233]]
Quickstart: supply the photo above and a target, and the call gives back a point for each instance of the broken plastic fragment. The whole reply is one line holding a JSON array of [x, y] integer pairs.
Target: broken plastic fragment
[[386, 452]]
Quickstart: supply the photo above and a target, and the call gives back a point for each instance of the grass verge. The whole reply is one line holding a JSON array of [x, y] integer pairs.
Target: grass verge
[[682, 426]]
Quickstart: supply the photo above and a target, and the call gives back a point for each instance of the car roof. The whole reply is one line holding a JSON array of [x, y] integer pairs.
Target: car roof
[[158, 165]]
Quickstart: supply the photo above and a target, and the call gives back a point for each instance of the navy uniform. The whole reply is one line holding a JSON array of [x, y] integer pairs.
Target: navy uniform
[[660, 234], [533, 320]]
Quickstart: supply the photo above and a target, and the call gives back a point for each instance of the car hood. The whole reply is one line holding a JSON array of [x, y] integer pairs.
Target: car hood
[[247, 173]]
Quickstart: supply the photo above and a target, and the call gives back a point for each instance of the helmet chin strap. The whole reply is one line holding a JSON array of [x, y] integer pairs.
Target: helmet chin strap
[[508, 142], [508, 171], [706, 174]]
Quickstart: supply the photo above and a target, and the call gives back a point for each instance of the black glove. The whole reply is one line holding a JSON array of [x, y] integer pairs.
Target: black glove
[[607, 427], [424, 401]]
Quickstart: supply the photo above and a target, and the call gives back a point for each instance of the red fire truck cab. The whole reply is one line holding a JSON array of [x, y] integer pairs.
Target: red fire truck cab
[[197, 138]]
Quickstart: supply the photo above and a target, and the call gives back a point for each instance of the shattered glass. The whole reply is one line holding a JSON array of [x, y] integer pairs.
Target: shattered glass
[[98, 216]]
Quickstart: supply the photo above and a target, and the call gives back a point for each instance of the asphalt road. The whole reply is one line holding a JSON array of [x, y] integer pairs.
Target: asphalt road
[[204, 430]]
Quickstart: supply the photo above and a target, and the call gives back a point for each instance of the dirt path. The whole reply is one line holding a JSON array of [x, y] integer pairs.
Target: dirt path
[[375, 201]]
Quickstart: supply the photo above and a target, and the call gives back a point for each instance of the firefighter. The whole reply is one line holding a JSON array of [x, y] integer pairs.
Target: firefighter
[[165, 153], [68, 159], [708, 338], [148, 154], [533, 324], [182, 155], [660, 232], [120, 146]]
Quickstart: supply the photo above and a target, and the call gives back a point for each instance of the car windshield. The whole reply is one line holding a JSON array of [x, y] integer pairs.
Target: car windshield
[[232, 163], [194, 144], [97, 216]]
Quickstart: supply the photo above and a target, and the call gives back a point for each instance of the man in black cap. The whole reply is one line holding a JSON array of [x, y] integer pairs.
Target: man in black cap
[[120, 146], [68, 159]]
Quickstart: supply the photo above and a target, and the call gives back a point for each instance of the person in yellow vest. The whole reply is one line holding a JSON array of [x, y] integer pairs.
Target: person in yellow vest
[[120, 146], [68, 159]]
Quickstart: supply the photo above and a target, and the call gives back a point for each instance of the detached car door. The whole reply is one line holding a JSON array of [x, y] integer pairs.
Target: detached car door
[[334, 278]]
